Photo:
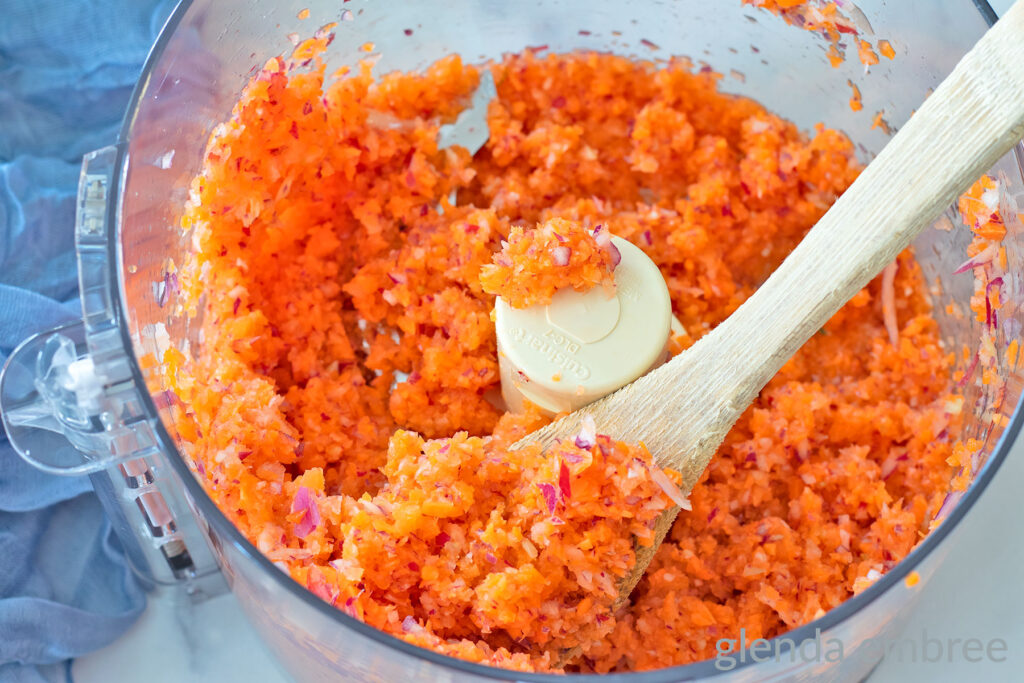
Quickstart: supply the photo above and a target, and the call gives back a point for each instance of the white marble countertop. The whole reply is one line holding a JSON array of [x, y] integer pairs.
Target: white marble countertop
[[977, 593]]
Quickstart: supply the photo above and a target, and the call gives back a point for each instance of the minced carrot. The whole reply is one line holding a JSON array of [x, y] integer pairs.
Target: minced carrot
[[532, 265], [827, 19], [818, 17], [880, 122], [855, 101], [867, 54], [340, 408], [996, 354], [810, 15]]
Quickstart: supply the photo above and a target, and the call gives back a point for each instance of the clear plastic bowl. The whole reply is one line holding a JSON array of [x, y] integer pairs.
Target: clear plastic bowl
[[109, 418]]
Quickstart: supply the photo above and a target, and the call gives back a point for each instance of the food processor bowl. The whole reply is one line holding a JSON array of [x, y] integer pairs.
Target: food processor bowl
[[81, 400]]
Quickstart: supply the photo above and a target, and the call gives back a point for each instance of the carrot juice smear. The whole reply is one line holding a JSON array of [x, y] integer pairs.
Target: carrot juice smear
[[339, 410]]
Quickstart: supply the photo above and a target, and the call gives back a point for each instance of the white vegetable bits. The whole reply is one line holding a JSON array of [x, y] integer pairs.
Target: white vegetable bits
[[583, 346]]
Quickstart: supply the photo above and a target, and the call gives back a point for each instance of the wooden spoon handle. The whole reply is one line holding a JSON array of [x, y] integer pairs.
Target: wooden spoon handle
[[684, 409]]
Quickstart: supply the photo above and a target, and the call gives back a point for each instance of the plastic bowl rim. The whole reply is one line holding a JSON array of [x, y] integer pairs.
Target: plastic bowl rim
[[226, 530]]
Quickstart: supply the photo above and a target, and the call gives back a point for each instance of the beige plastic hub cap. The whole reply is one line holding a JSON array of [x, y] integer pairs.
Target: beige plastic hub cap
[[583, 346]]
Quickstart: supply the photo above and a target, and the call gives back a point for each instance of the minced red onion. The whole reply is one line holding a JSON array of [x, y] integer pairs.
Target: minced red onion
[[990, 198], [970, 371], [616, 255], [888, 467], [561, 255], [372, 507], [564, 482], [305, 501], [588, 433], [1012, 328], [979, 259], [170, 285], [670, 489], [165, 399], [410, 625], [550, 495], [574, 458], [948, 503], [991, 318], [604, 240]]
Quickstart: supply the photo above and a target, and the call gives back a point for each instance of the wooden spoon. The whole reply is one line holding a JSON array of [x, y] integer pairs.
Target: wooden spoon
[[684, 409]]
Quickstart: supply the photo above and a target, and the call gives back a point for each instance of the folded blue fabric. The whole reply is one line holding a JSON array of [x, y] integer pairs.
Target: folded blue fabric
[[66, 72]]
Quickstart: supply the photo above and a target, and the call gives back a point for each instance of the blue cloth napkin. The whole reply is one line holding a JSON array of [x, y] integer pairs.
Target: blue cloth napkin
[[67, 70]]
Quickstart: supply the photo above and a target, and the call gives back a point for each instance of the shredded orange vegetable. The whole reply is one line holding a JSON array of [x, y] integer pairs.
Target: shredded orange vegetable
[[339, 410], [880, 122], [868, 57], [532, 265], [855, 101], [827, 18], [982, 210]]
